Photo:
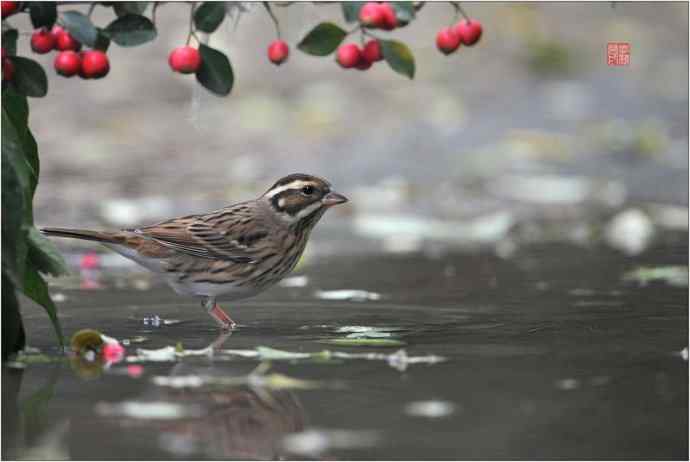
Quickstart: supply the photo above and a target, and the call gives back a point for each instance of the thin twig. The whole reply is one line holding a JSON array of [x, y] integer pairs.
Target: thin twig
[[153, 12], [91, 8], [273, 17], [462, 12], [191, 24]]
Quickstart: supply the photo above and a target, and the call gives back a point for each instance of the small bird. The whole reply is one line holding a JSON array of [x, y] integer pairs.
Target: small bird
[[238, 251]]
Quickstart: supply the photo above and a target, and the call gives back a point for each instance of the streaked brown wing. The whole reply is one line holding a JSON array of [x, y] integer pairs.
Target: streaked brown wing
[[192, 236]]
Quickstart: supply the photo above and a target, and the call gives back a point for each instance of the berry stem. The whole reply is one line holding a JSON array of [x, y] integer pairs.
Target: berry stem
[[355, 29], [191, 23], [273, 18], [153, 13], [459, 9]]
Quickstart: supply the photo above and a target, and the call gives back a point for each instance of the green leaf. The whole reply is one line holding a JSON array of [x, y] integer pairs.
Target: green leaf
[[398, 57], [102, 41], [322, 40], [17, 108], [215, 72], [404, 11], [125, 8], [131, 30], [36, 289], [30, 78], [44, 256], [43, 14], [80, 27], [13, 336], [351, 10], [209, 15], [9, 41], [14, 247]]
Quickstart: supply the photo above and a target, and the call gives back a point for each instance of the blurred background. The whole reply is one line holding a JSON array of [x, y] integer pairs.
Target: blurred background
[[519, 210], [527, 136]]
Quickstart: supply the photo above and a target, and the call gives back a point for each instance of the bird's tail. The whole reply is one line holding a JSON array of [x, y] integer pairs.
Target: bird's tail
[[83, 234]]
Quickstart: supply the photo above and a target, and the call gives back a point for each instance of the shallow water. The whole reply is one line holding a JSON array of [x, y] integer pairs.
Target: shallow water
[[550, 354]]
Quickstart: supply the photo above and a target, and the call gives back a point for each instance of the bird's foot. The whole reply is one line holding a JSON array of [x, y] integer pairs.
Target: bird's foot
[[222, 318]]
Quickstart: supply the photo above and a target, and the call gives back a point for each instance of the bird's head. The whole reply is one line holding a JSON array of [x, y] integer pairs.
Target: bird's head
[[300, 197]]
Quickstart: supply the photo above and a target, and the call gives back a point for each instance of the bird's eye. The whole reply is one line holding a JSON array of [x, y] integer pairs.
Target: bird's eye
[[308, 190]]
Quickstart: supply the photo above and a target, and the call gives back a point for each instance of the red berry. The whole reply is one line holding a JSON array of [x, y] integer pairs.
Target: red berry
[[372, 51], [7, 69], [278, 52], [42, 41], [9, 8], [94, 64], [390, 20], [469, 31], [371, 14], [447, 40], [3, 52], [185, 60], [64, 40], [67, 63], [363, 64], [348, 55]]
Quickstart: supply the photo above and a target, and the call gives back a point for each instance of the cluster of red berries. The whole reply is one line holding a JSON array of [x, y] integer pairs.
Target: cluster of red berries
[[467, 32], [7, 67], [378, 16], [350, 55], [9, 8], [88, 64]]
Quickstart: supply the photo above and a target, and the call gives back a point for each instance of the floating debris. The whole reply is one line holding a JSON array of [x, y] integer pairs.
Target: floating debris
[[684, 354], [676, 276], [294, 281], [568, 384], [157, 321], [267, 353], [630, 232], [59, 297], [160, 355], [378, 342], [154, 410], [134, 340], [432, 409], [349, 295], [178, 381], [314, 442], [365, 329], [371, 334]]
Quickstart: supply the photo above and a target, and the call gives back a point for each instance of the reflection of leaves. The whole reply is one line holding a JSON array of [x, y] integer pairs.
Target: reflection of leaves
[[33, 407]]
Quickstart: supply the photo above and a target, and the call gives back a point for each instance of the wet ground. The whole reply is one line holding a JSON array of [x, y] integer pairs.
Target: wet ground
[[553, 353]]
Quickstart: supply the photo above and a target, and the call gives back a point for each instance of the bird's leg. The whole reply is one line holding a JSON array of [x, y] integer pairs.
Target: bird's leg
[[217, 313]]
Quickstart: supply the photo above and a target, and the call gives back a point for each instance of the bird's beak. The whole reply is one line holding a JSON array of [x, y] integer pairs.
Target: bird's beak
[[333, 198]]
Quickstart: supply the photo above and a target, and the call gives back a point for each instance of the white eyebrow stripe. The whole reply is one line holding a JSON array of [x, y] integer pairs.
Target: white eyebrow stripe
[[297, 184], [309, 209]]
